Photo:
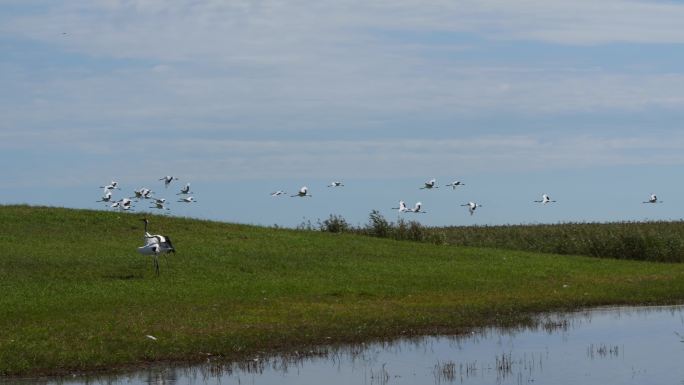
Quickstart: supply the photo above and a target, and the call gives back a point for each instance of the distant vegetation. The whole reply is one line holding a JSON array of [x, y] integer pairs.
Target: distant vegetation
[[75, 295], [646, 241]]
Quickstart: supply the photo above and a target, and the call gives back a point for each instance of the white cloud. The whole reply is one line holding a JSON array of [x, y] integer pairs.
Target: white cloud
[[218, 66], [297, 64]]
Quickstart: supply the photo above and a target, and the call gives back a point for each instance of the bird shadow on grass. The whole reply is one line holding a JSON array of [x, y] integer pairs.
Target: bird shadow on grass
[[123, 277]]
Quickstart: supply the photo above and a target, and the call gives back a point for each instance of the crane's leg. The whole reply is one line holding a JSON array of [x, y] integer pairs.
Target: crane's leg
[[156, 263]]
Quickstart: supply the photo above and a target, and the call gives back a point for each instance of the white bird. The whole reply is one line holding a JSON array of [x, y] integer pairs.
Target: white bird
[[122, 204], [455, 184], [472, 206], [402, 207], [107, 197], [416, 208], [188, 200], [303, 192], [545, 199], [151, 337], [430, 184], [168, 179], [143, 193], [277, 193], [155, 245], [111, 186], [335, 184], [653, 199], [185, 190], [163, 240], [159, 203]]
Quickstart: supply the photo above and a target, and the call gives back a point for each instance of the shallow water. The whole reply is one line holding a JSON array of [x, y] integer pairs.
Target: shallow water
[[603, 346]]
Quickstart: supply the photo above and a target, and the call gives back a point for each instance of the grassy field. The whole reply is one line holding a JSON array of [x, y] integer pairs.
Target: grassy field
[[75, 295]]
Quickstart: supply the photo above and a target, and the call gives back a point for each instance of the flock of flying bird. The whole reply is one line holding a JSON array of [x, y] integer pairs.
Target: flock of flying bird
[[429, 185], [144, 193], [161, 244]]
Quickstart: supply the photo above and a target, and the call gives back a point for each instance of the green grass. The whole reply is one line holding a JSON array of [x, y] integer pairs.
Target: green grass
[[75, 295]]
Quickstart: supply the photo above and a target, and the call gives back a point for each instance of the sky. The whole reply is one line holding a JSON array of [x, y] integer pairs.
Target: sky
[[578, 99]]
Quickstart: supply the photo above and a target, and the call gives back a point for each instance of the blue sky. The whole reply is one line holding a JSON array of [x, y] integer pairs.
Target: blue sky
[[581, 100]]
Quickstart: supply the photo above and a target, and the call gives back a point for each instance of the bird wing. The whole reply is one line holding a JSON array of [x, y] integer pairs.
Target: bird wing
[[150, 239]]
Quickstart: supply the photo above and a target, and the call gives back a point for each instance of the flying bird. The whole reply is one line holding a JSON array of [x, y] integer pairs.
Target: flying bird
[[416, 208], [472, 206], [303, 192], [185, 190], [159, 203], [278, 193], [335, 184], [402, 207], [167, 180], [107, 197], [653, 199], [455, 184], [111, 186], [123, 204], [142, 193], [188, 200], [430, 184], [545, 199]]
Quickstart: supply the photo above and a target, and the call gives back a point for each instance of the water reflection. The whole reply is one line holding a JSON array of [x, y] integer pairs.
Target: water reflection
[[601, 346]]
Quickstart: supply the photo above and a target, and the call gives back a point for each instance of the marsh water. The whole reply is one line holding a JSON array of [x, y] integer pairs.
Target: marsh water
[[636, 345]]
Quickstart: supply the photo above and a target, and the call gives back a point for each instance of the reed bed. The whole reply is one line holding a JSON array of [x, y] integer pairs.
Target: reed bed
[[654, 241]]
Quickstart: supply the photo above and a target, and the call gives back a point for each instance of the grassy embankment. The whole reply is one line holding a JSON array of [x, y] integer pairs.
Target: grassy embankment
[[75, 295]]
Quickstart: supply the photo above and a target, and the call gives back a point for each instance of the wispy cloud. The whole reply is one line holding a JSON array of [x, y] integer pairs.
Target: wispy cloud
[[176, 73], [134, 101], [254, 31], [229, 160], [294, 65]]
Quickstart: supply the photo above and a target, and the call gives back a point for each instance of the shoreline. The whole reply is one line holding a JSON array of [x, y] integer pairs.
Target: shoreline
[[316, 350]]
